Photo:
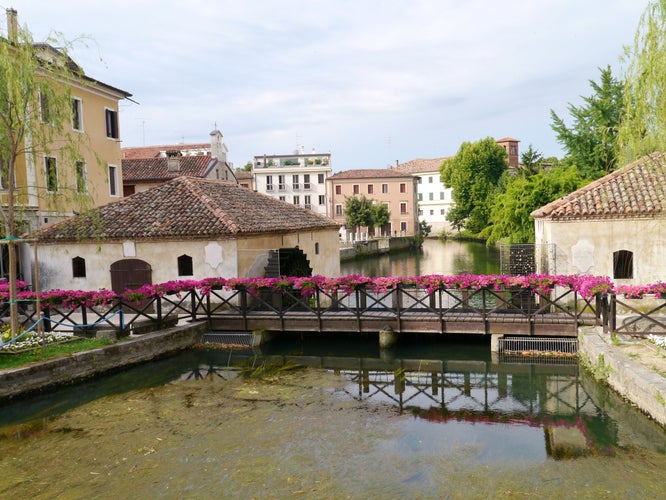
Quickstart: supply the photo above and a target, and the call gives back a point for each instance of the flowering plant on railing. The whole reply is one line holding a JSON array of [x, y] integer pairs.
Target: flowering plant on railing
[[4, 286], [639, 291], [72, 299]]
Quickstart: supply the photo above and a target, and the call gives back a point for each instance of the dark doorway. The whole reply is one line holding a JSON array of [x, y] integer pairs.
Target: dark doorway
[[130, 273]]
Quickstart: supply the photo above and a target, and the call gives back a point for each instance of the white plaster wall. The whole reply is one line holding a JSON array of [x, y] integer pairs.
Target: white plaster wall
[[209, 258], [55, 262], [588, 246]]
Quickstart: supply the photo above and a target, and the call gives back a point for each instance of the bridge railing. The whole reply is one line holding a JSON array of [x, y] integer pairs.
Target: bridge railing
[[481, 303]]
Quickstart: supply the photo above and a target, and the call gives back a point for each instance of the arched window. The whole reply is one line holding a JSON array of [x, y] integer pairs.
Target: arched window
[[623, 264], [185, 266], [78, 267]]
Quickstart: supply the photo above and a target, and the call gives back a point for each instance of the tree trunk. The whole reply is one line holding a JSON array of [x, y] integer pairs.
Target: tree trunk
[[13, 292]]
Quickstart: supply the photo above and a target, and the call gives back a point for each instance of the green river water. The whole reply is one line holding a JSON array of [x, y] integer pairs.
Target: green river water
[[430, 419]]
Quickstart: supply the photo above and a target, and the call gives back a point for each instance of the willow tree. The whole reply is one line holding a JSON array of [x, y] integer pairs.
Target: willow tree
[[643, 129], [35, 119]]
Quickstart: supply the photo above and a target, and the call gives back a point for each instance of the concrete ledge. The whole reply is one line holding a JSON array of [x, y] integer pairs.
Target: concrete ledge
[[630, 378], [82, 365]]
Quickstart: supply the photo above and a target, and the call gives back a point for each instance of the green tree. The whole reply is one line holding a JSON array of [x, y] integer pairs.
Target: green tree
[[643, 128], [473, 173], [358, 212], [380, 215], [510, 216], [245, 168], [591, 141], [35, 107], [530, 161]]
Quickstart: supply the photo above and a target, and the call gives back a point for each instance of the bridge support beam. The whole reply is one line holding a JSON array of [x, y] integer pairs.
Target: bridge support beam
[[387, 338], [494, 342], [260, 337]]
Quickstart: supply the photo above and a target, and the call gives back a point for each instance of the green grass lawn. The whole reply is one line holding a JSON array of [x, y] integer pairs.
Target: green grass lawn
[[50, 351]]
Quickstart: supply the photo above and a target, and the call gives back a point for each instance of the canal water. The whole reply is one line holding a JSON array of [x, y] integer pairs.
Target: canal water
[[436, 257], [324, 417]]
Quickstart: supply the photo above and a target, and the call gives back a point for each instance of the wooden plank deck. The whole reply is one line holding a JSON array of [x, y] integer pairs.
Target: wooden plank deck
[[410, 322]]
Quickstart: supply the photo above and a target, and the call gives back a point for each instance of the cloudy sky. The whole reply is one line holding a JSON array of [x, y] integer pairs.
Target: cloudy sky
[[370, 81]]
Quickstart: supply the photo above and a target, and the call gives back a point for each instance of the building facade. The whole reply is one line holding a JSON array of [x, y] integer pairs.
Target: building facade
[[146, 167], [397, 190], [614, 226], [434, 200], [299, 178], [183, 229]]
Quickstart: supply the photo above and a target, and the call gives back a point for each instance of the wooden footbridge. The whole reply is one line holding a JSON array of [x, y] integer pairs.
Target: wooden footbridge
[[401, 309], [406, 310]]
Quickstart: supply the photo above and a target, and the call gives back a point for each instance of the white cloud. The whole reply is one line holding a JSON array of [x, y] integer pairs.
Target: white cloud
[[372, 81]]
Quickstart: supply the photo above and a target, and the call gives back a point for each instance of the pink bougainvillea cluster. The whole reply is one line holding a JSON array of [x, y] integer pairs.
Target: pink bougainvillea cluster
[[585, 285]]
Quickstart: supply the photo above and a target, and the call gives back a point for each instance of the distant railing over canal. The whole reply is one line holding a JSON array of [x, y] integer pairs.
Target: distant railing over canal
[[316, 306]]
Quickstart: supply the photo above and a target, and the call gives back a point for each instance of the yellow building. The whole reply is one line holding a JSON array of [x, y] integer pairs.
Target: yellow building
[[50, 185]]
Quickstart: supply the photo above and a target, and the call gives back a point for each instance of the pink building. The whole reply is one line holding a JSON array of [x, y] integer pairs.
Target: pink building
[[397, 190]]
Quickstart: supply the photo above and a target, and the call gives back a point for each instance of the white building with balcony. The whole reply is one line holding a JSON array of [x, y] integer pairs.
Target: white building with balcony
[[298, 178]]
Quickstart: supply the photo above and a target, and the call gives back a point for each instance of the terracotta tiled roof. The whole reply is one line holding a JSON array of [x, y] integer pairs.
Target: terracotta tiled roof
[[636, 190], [153, 169], [369, 173], [154, 151], [421, 165], [243, 175], [507, 139], [186, 207]]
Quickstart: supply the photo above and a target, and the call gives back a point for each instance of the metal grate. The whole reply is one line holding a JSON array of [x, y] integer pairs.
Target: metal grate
[[228, 338], [538, 346]]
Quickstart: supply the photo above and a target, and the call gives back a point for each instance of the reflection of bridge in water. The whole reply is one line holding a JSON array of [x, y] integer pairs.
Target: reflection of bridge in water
[[548, 396]]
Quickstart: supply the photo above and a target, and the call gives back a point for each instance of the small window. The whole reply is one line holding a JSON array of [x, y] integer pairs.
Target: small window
[[322, 199], [430, 179], [623, 264], [185, 266], [403, 187], [420, 196], [403, 226], [357, 189], [403, 207], [338, 209], [297, 200], [441, 195], [338, 189], [44, 107], [431, 196], [371, 188], [80, 169], [51, 174], [77, 115], [316, 248], [307, 201], [420, 212], [113, 180], [385, 189], [78, 267], [320, 178], [432, 212], [111, 123]]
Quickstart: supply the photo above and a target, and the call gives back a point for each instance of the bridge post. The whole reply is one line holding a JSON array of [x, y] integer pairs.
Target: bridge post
[[387, 338], [494, 342], [260, 337]]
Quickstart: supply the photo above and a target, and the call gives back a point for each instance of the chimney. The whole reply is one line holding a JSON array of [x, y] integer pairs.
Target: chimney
[[12, 25], [173, 160]]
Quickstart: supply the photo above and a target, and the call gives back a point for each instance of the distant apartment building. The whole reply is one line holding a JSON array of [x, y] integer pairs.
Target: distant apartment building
[[298, 178], [434, 200], [397, 190]]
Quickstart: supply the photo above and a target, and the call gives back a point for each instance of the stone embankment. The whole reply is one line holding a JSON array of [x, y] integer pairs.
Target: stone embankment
[[86, 364], [375, 247], [633, 367]]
